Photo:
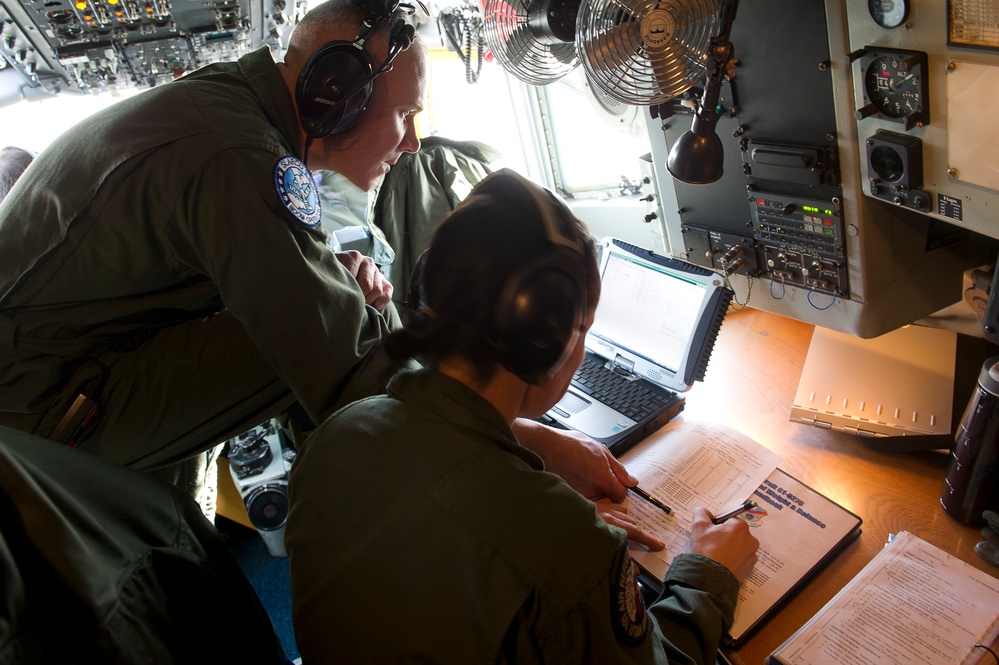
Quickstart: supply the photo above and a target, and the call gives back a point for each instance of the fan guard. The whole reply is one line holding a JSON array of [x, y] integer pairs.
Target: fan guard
[[534, 41], [622, 117], [645, 52]]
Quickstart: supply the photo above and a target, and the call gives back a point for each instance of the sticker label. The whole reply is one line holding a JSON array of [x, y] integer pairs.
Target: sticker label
[[658, 27], [950, 207]]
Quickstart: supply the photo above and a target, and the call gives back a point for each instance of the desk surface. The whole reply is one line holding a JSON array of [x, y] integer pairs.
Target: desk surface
[[750, 385]]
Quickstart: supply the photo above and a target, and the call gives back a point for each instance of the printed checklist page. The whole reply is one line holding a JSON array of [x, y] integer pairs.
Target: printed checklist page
[[688, 464]]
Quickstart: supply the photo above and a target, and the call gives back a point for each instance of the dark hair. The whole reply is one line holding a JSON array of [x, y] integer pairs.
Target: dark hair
[[490, 236], [13, 162]]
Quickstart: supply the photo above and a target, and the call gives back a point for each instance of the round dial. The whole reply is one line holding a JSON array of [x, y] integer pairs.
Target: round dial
[[887, 163], [888, 13], [894, 85]]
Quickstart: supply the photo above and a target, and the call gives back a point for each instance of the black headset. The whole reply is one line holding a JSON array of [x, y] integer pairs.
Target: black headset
[[335, 84], [542, 304]]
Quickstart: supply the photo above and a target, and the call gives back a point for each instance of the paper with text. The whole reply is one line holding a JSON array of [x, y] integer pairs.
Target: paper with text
[[691, 464], [688, 464], [913, 603]]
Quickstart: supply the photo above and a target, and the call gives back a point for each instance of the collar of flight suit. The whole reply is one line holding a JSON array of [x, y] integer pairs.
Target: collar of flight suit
[[265, 80]]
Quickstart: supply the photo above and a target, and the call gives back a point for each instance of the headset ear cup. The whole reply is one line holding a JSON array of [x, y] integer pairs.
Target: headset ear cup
[[536, 319], [334, 76]]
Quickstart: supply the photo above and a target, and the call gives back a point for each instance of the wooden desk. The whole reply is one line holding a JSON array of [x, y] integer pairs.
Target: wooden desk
[[750, 384]]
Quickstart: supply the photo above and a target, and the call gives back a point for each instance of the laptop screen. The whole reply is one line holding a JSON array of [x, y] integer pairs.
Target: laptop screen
[[648, 309]]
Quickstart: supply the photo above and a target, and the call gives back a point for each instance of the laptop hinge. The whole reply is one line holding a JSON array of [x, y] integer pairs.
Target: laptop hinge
[[623, 366]]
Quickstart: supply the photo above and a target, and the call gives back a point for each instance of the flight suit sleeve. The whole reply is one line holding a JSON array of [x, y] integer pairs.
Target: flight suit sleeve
[[695, 609], [684, 626], [276, 275]]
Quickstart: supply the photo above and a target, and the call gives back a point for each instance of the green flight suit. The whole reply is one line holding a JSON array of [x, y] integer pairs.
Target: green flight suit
[[149, 260], [101, 564], [420, 530], [418, 192]]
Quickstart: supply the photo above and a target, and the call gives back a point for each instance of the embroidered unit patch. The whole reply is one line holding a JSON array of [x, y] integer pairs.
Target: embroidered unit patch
[[627, 606], [297, 190]]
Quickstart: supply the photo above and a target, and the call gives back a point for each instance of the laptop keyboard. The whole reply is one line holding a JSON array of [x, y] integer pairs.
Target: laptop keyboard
[[631, 398]]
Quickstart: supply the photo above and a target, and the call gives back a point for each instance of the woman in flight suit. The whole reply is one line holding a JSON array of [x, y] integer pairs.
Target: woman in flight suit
[[421, 530]]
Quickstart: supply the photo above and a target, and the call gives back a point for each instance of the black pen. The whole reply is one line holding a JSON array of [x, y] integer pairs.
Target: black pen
[[748, 504], [651, 499]]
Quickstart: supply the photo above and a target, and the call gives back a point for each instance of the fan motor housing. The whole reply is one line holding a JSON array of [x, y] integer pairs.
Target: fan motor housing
[[553, 21]]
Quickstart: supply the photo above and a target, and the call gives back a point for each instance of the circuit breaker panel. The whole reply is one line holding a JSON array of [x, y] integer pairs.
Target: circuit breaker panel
[[103, 46]]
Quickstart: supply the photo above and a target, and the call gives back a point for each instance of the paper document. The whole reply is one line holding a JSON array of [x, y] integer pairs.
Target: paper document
[[676, 466], [799, 530], [689, 464], [913, 603]]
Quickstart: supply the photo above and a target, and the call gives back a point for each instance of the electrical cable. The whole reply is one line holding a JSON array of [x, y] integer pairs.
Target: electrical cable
[[821, 309], [982, 646], [462, 26], [783, 288]]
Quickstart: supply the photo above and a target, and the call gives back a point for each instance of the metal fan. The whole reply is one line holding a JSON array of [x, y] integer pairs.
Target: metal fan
[[645, 52], [532, 39]]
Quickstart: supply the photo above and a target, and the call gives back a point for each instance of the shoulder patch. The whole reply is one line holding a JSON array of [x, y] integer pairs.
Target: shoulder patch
[[627, 606], [297, 190]]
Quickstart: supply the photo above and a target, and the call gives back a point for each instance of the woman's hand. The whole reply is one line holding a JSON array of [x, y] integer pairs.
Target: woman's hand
[[616, 514], [587, 466], [729, 543]]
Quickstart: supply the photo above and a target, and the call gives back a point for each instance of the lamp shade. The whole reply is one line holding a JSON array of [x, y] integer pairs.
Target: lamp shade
[[696, 157]]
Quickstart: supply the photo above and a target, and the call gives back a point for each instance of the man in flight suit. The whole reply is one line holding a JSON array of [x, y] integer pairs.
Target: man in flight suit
[[164, 280]]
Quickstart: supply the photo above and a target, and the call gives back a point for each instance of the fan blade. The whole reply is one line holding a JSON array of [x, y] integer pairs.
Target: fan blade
[[609, 54], [535, 62], [518, 44], [567, 55], [548, 64], [674, 68], [612, 47]]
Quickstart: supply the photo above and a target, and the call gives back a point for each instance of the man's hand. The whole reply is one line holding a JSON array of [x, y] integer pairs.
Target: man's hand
[[587, 466], [729, 543], [616, 514], [376, 289]]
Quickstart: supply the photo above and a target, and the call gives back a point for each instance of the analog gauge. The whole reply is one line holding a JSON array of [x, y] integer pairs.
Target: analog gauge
[[896, 87], [888, 13], [895, 169], [887, 163]]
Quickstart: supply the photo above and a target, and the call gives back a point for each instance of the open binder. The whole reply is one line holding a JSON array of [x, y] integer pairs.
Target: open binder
[[799, 529]]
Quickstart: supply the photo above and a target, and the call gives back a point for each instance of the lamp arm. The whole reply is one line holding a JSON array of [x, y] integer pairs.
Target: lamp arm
[[720, 52], [706, 115], [697, 155]]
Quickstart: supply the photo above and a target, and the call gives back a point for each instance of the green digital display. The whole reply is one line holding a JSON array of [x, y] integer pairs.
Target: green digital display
[[824, 211]]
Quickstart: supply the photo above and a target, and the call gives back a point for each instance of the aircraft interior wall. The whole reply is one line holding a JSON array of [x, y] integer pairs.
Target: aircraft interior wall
[[860, 179], [861, 176]]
